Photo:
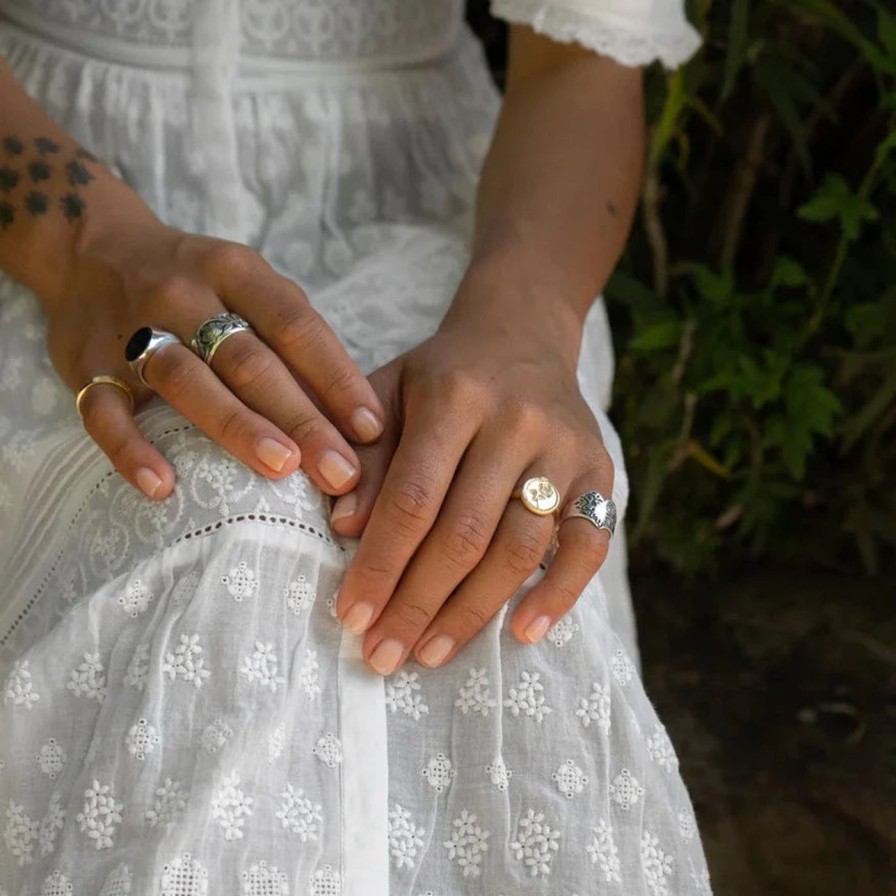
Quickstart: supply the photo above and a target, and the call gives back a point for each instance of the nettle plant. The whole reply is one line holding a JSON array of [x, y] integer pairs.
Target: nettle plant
[[755, 309]]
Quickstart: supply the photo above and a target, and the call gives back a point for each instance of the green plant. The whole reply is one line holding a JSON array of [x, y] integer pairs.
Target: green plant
[[755, 310]]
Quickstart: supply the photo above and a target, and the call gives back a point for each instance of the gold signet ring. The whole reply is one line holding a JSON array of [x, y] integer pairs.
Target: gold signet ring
[[539, 495]]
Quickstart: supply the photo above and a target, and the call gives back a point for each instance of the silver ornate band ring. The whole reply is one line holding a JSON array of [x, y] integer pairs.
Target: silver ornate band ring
[[595, 508], [213, 331], [143, 345]]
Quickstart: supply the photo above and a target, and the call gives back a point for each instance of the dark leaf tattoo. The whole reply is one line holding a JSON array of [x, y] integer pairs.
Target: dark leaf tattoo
[[13, 145], [78, 175], [7, 215], [37, 203], [39, 171], [72, 206], [46, 146], [9, 179]]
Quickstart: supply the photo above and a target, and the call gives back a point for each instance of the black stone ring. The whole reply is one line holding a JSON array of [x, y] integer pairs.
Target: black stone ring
[[143, 345]]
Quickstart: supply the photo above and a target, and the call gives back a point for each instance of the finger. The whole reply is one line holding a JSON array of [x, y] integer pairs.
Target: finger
[[419, 476], [351, 512], [192, 388], [517, 550], [108, 418], [457, 542], [280, 312], [581, 551], [260, 379], [518, 547]]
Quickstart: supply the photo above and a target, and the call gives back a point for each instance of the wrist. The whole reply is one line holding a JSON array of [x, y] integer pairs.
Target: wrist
[[107, 243], [501, 298]]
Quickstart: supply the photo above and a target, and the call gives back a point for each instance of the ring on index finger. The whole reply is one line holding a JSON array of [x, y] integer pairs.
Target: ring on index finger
[[143, 345], [214, 330], [100, 380]]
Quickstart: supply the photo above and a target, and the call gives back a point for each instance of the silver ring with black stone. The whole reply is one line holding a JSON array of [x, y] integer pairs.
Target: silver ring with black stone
[[594, 507], [213, 331], [143, 345]]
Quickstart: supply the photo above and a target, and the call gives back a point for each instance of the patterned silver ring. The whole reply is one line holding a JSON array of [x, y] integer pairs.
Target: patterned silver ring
[[212, 332], [143, 345], [595, 508]]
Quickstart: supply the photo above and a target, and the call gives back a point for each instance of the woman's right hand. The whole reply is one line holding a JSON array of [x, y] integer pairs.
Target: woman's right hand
[[268, 398]]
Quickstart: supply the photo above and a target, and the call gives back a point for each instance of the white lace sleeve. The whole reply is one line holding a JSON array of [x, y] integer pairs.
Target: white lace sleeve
[[633, 32]]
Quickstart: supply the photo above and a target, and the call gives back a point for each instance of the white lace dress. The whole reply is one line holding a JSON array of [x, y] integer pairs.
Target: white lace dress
[[181, 712]]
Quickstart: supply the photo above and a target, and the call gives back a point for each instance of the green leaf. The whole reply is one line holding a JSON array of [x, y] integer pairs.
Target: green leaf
[[738, 37], [810, 407], [788, 272], [657, 336], [630, 291], [865, 321], [718, 288], [857, 425], [886, 31], [835, 200], [775, 78]]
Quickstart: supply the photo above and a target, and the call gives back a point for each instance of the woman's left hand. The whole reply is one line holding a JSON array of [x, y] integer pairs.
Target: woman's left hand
[[488, 402]]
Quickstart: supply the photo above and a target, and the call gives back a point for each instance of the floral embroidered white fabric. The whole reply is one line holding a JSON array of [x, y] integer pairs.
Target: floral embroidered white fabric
[[181, 712]]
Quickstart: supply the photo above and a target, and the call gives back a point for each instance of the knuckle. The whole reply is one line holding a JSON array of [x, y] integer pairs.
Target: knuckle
[[248, 365], [173, 374], [233, 262], [302, 426], [473, 617], [301, 329], [343, 382], [526, 418], [412, 504], [524, 551], [231, 425], [171, 293], [412, 616], [593, 549], [568, 593], [466, 540]]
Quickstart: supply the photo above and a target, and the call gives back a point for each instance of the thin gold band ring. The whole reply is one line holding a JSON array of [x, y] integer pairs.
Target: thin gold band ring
[[103, 379]]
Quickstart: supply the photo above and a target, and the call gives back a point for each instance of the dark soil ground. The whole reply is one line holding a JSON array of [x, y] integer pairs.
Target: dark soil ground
[[779, 691]]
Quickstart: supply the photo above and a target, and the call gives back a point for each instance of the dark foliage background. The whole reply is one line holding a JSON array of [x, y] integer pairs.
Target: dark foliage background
[[755, 309]]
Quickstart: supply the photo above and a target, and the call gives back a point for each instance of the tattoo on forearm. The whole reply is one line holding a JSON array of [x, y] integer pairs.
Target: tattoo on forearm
[[27, 179]]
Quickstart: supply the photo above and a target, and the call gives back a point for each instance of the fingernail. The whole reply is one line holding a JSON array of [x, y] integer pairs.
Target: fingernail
[[366, 424], [344, 507], [434, 652], [335, 469], [358, 617], [536, 629], [272, 453], [148, 481], [387, 656]]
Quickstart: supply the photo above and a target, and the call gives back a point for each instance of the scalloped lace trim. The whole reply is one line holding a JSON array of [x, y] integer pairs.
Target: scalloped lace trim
[[619, 42]]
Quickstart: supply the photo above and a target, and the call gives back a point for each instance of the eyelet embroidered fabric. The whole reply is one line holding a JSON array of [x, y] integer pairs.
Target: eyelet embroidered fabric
[[180, 712]]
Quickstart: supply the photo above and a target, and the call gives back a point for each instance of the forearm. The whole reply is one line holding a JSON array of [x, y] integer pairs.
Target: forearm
[[561, 180], [54, 197]]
